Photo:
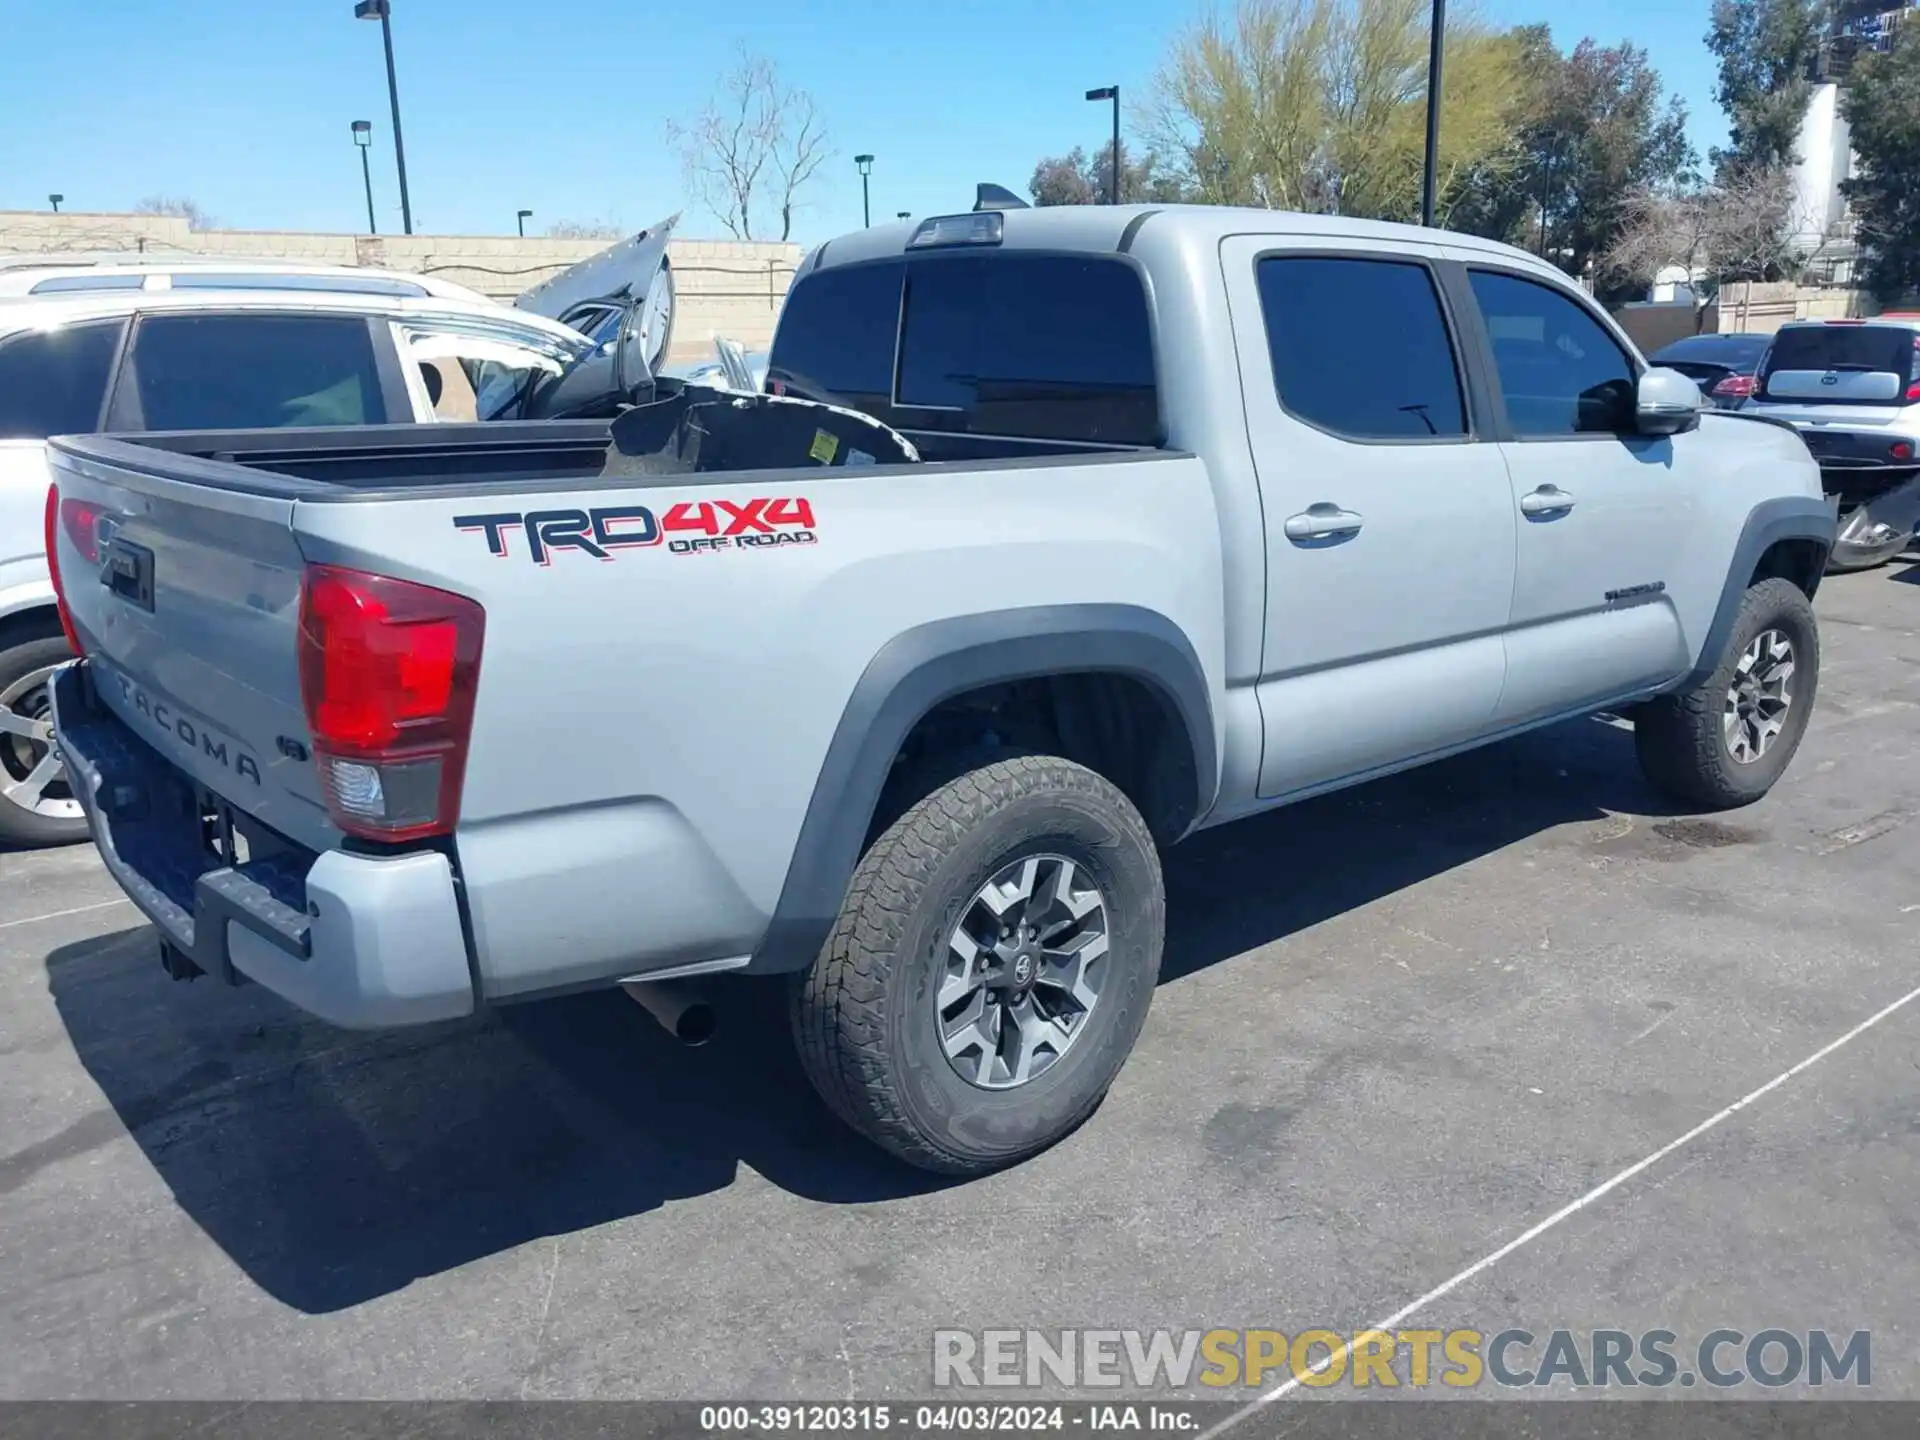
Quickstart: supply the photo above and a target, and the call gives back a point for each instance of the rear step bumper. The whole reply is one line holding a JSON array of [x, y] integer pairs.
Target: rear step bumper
[[362, 941]]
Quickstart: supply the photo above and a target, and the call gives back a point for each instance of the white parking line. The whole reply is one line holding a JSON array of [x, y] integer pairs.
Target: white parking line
[[1487, 1262], [56, 914]]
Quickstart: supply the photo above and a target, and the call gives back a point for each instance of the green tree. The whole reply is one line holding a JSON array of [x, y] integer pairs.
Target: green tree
[[1320, 105], [1077, 178], [1766, 50], [1600, 128], [1882, 107]]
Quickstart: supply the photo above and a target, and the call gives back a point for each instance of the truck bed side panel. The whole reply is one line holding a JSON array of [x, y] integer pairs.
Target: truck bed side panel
[[651, 724]]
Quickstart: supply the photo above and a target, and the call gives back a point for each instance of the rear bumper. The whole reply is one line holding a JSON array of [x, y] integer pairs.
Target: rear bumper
[[362, 941]]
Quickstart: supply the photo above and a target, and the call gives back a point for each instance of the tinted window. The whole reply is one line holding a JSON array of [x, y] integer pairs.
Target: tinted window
[[53, 382], [1560, 372], [1360, 347], [1856, 349], [231, 372], [836, 336], [1725, 352], [1052, 347]]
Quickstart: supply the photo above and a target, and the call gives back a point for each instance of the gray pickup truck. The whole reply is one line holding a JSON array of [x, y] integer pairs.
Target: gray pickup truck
[[1198, 512]]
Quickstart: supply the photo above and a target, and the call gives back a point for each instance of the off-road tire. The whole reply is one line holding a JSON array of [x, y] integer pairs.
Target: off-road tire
[[24, 649], [863, 1015], [1681, 738]]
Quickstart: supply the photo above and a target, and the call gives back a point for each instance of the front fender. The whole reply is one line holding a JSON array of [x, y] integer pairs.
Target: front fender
[[1786, 517]]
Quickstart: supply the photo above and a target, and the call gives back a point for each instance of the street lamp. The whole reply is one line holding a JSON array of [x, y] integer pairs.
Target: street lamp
[[1436, 43], [1111, 92], [383, 12], [520, 218], [865, 164], [55, 200], [903, 214], [363, 138]]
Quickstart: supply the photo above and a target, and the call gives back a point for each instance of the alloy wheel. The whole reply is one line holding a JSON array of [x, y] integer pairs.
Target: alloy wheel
[[1759, 697], [31, 775], [1023, 971]]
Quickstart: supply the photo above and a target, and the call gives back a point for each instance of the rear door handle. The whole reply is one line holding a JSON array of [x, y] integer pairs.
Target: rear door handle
[[1322, 521], [1547, 500]]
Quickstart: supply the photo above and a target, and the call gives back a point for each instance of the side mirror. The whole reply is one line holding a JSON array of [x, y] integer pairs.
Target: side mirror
[[1667, 403]]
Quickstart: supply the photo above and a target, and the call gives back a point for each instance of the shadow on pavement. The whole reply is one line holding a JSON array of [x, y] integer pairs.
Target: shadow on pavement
[[335, 1167]]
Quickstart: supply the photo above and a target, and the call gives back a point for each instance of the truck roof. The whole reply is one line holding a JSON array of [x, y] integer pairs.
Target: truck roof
[[1111, 227]]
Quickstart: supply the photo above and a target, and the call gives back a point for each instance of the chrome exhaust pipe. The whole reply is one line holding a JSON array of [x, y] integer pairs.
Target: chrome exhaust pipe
[[682, 1011]]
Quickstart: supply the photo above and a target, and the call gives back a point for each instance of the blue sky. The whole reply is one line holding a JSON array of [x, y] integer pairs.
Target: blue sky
[[559, 106]]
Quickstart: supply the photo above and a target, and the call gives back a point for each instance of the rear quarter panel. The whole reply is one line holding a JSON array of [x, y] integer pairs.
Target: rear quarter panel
[[24, 582], [650, 726]]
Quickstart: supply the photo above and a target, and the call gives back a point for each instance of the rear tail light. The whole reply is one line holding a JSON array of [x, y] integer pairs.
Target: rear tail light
[[1901, 450], [1735, 385], [54, 510], [388, 672], [1913, 391]]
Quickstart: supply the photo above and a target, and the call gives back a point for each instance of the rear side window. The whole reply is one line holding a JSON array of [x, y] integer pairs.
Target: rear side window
[[1053, 347], [1360, 347], [1050, 347], [837, 334], [53, 382], [245, 372]]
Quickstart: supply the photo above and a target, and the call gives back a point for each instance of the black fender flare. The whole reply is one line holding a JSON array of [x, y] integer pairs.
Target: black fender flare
[[922, 667], [1786, 517]]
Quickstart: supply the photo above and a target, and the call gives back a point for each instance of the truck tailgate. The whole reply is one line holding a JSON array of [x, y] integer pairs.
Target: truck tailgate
[[186, 596]]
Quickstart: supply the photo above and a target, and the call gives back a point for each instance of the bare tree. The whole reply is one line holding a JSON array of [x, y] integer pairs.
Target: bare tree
[[585, 230], [753, 149], [1734, 230], [179, 206]]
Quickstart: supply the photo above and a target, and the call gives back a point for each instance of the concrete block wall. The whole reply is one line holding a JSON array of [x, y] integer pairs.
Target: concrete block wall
[[728, 288]]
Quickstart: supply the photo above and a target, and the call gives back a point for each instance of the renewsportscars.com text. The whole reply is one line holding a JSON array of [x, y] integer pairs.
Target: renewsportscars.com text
[[1515, 1358]]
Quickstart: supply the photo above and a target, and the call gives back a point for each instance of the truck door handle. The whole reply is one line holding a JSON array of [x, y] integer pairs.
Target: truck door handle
[[1322, 521], [1547, 500]]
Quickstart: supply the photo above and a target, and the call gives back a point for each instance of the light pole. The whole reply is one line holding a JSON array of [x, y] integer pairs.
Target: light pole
[[1111, 92], [363, 139], [54, 200], [865, 165], [1436, 44], [382, 11], [520, 218]]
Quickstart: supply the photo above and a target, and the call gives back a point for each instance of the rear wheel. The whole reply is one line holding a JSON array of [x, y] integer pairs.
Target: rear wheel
[[1725, 741], [36, 807], [990, 969]]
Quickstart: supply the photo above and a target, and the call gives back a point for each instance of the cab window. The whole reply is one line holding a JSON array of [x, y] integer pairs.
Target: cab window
[[1560, 372]]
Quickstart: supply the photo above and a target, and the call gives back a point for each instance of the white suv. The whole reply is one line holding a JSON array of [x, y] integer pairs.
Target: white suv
[[133, 345], [1852, 390]]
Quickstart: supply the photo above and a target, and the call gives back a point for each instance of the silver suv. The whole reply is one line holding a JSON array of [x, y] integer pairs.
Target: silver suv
[[1852, 390]]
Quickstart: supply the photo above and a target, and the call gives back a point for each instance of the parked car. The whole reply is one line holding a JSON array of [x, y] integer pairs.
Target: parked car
[[1723, 366], [403, 729], [1852, 389], [177, 343]]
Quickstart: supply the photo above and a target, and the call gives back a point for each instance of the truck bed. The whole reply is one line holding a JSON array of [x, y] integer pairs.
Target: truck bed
[[389, 461]]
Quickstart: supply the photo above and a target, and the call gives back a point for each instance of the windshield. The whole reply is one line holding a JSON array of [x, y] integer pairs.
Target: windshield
[[1841, 351]]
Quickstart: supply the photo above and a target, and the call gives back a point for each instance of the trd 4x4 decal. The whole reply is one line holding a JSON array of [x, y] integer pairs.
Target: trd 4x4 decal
[[688, 528]]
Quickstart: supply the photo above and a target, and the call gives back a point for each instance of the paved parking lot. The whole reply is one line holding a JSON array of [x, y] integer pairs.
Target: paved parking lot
[[1398, 1028]]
